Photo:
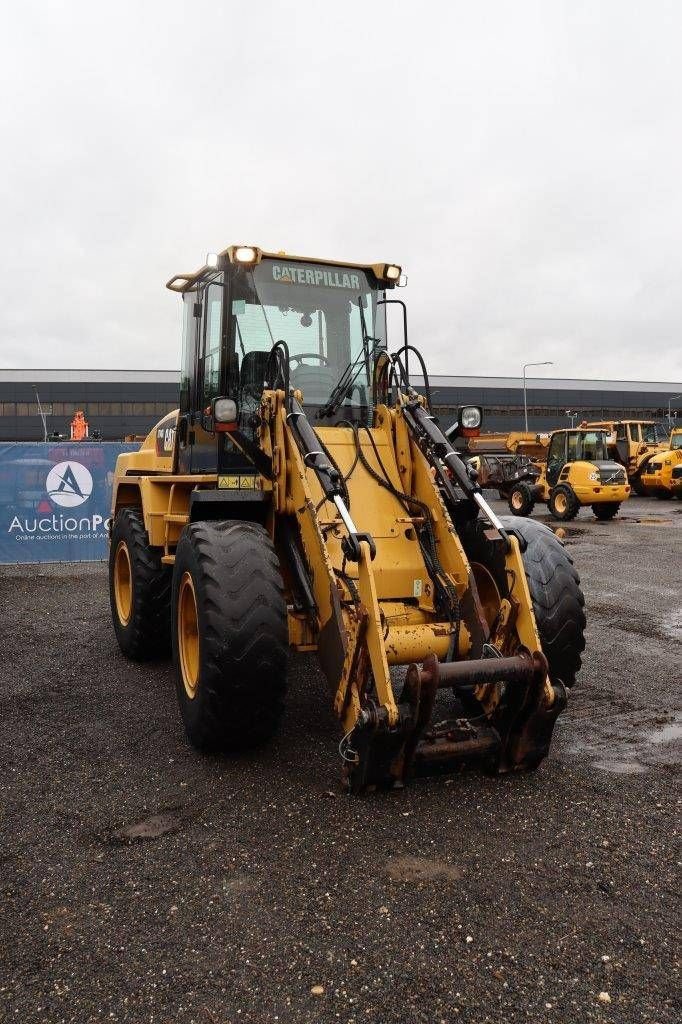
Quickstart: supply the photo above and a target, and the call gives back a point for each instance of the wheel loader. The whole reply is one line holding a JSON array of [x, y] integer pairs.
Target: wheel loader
[[304, 499], [576, 473], [632, 443], [662, 475]]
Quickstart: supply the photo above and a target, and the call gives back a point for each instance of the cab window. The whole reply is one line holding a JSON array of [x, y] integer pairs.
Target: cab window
[[189, 329], [573, 447], [557, 450]]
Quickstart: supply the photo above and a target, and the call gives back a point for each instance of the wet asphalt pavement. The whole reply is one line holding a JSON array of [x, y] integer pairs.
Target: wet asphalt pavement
[[141, 882]]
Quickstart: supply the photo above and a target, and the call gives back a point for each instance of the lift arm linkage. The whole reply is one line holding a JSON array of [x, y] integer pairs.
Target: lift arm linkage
[[329, 477]]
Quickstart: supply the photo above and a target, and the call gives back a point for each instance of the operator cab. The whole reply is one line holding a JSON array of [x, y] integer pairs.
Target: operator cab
[[575, 446], [254, 319]]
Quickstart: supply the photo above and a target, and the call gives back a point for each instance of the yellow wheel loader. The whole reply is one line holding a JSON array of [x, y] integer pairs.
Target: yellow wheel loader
[[633, 443], [305, 498], [662, 475], [577, 472]]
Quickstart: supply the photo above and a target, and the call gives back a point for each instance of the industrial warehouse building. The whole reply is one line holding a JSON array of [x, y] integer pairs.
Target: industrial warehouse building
[[120, 403]]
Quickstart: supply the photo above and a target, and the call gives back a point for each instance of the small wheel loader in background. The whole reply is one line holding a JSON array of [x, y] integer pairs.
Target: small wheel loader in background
[[303, 497], [662, 475], [577, 472], [632, 443]]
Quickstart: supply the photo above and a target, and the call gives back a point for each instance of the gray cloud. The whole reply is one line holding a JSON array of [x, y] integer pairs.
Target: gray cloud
[[521, 161]]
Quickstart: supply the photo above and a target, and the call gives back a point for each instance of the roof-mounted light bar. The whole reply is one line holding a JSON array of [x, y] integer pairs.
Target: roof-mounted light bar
[[251, 255]]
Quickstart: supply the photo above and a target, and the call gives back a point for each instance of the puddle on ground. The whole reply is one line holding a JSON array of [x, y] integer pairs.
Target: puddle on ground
[[421, 869], [150, 828], [671, 624], [668, 734], [624, 748], [621, 767]]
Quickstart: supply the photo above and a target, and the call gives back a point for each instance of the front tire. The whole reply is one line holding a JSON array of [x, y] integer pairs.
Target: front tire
[[139, 589], [230, 638], [606, 510], [521, 500], [558, 600], [563, 503]]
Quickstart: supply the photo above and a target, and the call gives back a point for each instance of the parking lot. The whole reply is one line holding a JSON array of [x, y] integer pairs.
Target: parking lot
[[142, 882]]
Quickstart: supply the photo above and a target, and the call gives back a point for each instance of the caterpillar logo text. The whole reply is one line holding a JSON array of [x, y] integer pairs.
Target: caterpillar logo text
[[69, 484]]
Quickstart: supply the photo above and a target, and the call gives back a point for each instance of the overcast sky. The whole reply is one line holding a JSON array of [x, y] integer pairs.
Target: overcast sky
[[522, 161]]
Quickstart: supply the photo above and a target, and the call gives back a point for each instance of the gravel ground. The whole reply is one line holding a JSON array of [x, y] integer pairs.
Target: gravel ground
[[141, 882]]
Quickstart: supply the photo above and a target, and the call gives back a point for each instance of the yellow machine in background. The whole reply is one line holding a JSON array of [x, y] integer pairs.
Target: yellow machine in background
[[577, 472], [662, 475], [305, 497], [632, 443]]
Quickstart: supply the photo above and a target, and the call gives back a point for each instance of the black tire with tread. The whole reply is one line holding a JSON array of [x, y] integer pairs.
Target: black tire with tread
[[147, 634], [606, 510], [526, 499], [558, 601], [243, 645], [572, 503]]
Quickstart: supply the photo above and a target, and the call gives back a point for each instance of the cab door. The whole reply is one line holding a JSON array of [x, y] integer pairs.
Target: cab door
[[204, 358], [556, 458]]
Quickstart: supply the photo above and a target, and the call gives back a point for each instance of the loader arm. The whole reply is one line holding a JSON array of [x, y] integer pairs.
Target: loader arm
[[392, 586]]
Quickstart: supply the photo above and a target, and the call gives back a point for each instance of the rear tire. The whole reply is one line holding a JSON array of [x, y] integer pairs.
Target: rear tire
[[139, 589], [606, 510], [521, 500], [558, 601], [230, 637], [563, 503], [637, 486]]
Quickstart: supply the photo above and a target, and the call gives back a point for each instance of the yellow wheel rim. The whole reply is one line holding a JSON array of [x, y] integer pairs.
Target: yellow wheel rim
[[560, 503], [123, 583], [517, 500], [188, 635]]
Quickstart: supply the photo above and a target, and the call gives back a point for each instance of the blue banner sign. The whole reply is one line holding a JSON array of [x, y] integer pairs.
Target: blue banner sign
[[55, 500]]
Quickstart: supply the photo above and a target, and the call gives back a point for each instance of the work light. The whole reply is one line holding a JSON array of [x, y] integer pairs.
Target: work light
[[470, 417], [391, 272], [245, 254], [224, 410]]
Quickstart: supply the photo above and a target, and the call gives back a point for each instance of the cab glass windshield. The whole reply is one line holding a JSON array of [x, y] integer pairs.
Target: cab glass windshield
[[676, 442], [653, 433], [317, 309], [587, 446]]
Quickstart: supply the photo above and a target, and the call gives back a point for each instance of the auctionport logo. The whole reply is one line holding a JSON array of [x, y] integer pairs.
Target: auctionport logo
[[69, 484]]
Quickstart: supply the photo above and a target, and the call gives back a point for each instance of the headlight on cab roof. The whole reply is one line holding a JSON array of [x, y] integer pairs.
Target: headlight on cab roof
[[245, 254], [392, 272]]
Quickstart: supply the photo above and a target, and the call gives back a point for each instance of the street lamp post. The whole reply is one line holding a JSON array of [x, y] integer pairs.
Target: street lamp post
[[546, 362], [670, 419], [42, 414]]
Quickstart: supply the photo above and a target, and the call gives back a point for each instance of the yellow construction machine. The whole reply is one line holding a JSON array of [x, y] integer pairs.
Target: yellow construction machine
[[662, 475], [305, 497], [577, 472], [633, 443]]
